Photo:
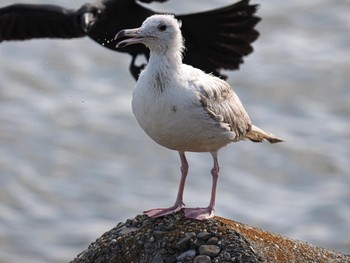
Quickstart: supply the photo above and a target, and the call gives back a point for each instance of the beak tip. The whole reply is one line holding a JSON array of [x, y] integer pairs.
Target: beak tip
[[119, 34], [128, 37], [120, 45]]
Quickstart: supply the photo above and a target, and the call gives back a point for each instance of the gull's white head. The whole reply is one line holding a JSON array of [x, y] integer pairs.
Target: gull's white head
[[160, 33]]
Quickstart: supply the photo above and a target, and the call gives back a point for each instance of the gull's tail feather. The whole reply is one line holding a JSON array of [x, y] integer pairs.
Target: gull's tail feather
[[258, 135]]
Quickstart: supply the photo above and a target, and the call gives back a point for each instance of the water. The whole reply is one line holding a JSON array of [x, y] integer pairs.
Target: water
[[74, 162]]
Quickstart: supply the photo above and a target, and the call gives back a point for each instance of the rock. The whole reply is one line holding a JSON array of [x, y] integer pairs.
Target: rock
[[173, 238]]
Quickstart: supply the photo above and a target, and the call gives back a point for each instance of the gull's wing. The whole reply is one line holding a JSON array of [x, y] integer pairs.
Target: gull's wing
[[220, 38], [26, 21], [222, 104]]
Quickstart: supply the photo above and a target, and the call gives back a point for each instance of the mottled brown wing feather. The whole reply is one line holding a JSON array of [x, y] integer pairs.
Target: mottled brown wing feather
[[223, 105]]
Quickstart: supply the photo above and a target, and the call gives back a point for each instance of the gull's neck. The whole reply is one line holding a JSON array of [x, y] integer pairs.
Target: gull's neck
[[165, 62], [161, 68]]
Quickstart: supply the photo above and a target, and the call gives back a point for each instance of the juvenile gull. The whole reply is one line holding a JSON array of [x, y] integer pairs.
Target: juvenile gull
[[184, 109], [231, 29]]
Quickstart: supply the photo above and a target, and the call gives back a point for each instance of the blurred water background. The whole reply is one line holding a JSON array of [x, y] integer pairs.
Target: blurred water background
[[74, 162]]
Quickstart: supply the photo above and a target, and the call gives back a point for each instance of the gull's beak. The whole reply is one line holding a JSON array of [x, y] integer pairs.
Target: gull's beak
[[133, 37]]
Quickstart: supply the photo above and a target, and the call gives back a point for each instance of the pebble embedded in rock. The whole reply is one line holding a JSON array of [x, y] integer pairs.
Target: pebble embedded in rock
[[184, 243], [158, 259], [204, 235], [209, 250], [170, 259], [128, 230], [226, 256], [212, 241], [189, 253], [202, 259], [159, 233]]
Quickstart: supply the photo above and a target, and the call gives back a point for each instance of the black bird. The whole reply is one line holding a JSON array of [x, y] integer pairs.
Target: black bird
[[215, 39]]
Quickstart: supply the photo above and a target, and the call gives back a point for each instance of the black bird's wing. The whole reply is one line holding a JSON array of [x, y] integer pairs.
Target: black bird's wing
[[214, 40], [26, 21], [150, 1], [220, 38]]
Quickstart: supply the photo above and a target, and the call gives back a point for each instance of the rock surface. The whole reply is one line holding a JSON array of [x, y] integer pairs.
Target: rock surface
[[174, 239]]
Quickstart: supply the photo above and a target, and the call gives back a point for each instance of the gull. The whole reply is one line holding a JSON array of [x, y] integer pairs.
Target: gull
[[230, 30], [183, 108]]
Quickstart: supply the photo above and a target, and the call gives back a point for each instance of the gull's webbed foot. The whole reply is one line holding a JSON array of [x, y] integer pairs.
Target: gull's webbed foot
[[199, 213], [158, 212]]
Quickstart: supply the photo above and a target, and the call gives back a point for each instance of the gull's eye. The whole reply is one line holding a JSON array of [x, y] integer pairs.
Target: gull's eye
[[162, 27]]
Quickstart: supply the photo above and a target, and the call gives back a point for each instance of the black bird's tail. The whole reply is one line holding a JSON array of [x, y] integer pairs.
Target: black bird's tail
[[220, 38]]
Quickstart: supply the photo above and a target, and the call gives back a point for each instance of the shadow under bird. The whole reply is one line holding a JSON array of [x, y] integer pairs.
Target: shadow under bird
[[183, 108], [216, 39]]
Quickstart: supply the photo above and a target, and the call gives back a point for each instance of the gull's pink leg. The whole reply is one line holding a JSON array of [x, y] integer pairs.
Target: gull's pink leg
[[157, 212], [207, 212]]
